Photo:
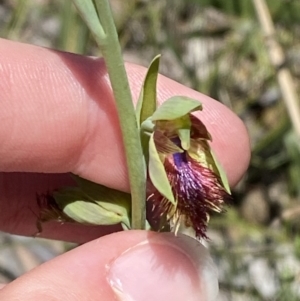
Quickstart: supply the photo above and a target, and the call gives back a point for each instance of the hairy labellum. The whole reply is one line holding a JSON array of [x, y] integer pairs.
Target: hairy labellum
[[197, 190], [197, 182]]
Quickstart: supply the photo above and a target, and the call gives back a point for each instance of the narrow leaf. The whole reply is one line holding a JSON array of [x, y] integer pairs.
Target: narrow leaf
[[147, 100], [176, 107], [88, 13]]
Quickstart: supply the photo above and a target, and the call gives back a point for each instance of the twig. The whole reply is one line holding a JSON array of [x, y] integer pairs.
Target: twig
[[277, 59]]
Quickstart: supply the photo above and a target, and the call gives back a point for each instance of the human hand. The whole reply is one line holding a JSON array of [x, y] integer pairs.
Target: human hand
[[58, 116]]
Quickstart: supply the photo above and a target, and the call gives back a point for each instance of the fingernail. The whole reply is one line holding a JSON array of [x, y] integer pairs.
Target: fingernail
[[165, 267]]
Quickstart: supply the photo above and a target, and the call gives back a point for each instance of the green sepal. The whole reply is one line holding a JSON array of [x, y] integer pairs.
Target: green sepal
[[158, 174], [176, 107], [146, 130], [147, 100], [94, 204], [221, 172], [206, 157]]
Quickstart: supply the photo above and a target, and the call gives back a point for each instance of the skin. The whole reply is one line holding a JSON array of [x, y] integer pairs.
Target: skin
[[58, 116]]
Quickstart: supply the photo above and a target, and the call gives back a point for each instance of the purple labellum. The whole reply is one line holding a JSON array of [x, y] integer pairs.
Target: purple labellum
[[179, 158]]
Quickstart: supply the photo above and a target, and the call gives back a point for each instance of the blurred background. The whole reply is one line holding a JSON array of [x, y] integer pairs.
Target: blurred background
[[230, 50]]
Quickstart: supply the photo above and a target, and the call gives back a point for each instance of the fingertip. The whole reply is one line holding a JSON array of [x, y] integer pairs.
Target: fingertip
[[131, 265]]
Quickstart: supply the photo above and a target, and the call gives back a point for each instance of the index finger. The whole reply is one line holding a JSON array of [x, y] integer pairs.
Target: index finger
[[58, 115]]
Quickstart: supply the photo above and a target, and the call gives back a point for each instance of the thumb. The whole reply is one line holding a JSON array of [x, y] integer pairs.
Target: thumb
[[129, 266]]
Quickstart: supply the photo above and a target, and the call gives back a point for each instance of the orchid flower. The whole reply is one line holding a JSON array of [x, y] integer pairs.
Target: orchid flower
[[185, 182]]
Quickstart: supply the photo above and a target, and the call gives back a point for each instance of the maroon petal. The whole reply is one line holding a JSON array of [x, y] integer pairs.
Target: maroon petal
[[198, 129]]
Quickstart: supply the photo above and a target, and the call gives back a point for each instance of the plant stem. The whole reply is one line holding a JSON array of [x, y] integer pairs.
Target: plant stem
[[111, 51], [119, 81]]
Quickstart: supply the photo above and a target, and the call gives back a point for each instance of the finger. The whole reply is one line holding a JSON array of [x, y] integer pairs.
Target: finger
[[58, 115], [135, 265]]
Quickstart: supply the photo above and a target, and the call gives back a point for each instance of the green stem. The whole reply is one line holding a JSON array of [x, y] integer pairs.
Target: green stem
[[110, 49]]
